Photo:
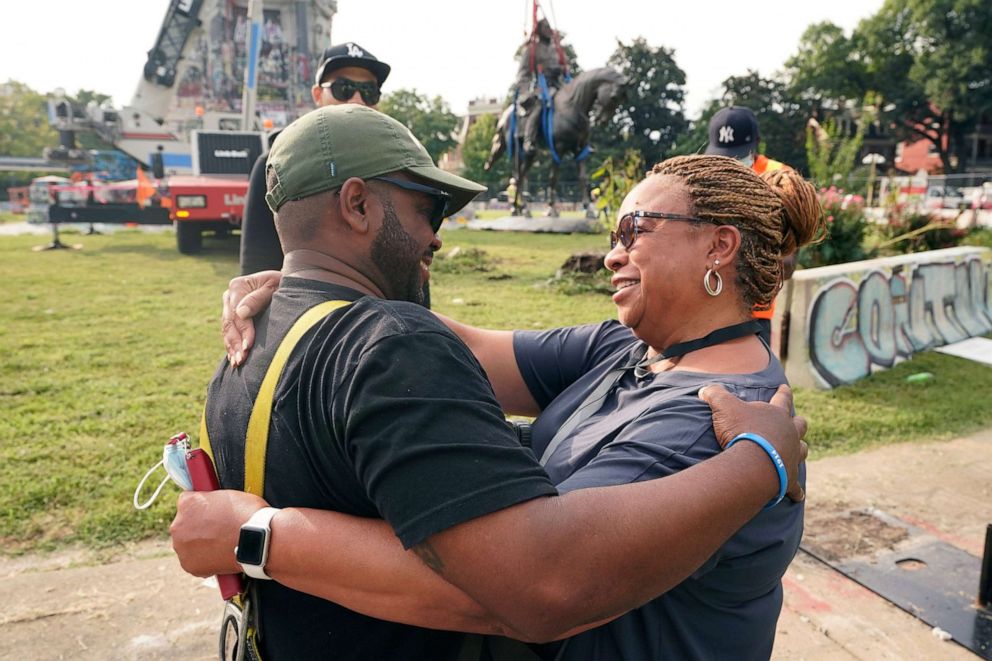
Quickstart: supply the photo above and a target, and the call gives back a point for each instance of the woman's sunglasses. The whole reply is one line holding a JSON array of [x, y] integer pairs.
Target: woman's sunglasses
[[343, 89], [440, 197], [627, 229]]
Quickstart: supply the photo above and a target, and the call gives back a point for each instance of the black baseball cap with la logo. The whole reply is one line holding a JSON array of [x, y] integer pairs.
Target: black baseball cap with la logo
[[733, 132], [350, 54]]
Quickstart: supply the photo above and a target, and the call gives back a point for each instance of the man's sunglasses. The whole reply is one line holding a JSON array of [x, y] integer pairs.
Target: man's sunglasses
[[440, 197], [627, 229], [343, 89]]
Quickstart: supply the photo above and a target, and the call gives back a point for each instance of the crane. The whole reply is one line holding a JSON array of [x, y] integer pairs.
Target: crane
[[202, 160]]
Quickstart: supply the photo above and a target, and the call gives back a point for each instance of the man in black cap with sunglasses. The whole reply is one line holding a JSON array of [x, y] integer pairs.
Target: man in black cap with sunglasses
[[347, 73]]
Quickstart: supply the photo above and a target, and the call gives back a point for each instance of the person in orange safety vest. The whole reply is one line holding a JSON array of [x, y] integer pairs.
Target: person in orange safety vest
[[733, 132]]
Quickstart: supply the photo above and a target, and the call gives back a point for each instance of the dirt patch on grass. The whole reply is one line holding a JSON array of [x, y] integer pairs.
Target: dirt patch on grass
[[836, 532]]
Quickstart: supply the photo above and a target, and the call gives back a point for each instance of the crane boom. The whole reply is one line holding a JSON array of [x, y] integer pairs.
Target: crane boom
[[155, 90]]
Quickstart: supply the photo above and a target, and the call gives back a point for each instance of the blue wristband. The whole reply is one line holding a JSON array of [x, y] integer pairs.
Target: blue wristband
[[783, 477]]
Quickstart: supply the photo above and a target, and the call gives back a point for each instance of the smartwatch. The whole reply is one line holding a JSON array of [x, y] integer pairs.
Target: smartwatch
[[252, 550]]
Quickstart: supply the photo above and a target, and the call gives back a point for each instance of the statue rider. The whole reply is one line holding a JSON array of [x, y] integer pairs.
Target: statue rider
[[539, 54]]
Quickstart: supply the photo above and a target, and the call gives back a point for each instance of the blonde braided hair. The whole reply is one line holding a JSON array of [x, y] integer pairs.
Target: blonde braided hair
[[776, 214]]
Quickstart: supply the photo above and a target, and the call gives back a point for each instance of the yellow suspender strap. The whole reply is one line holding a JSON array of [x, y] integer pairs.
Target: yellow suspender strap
[[258, 424], [204, 438]]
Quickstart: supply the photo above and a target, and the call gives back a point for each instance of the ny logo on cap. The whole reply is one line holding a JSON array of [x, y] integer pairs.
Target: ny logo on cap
[[726, 134], [355, 51]]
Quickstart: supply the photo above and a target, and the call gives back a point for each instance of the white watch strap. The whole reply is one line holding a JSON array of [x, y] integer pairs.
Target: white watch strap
[[251, 571], [261, 519]]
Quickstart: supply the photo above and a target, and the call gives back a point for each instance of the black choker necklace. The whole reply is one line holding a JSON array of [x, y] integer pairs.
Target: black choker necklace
[[719, 336], [594, 400]]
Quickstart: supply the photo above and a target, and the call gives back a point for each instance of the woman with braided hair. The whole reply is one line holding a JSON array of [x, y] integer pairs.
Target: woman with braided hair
[[698, 243]]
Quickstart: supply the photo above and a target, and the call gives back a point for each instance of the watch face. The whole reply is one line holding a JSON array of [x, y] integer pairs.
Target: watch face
[[251, 546]]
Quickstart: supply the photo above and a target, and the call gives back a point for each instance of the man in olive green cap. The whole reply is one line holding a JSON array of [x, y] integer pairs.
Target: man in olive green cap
[[338, 174], [381, 412]]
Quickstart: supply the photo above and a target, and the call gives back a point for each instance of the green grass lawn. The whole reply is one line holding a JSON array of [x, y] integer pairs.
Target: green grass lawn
[[107, 352]]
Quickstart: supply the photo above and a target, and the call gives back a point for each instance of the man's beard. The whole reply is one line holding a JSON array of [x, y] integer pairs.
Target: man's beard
[[397, 256]]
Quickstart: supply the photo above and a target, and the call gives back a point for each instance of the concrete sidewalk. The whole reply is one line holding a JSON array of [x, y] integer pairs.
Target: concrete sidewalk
[[142, 606], [943, 488]]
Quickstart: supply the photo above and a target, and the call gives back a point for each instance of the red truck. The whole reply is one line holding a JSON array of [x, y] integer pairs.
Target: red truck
[[212, 199], [203, 203]]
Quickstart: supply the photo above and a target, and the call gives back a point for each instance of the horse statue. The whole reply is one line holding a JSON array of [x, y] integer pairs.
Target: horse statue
[[569, 125]]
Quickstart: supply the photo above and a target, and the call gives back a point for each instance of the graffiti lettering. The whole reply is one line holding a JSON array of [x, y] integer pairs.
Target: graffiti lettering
[[853, 327]]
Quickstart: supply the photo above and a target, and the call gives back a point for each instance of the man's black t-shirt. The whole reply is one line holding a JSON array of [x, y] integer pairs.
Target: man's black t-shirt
[[381, 411]]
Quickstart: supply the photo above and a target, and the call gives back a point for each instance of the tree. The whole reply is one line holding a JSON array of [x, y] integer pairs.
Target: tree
[[573, 61], [652, 117], [831, 152], [475, 151], [24, 129], [83, 97], [430, 120], [614, 180], [931, 62], [696, 136], [826, 75], [825, 66], [781, 119]]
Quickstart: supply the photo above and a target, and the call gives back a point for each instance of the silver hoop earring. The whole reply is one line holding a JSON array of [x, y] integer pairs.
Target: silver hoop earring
[[713, 291]]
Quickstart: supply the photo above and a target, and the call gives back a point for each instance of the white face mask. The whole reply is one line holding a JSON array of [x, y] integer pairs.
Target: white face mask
[[748, 160]]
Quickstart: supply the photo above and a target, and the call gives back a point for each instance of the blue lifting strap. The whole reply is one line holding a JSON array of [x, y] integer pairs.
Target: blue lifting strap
[[511, 133], [548, 117]]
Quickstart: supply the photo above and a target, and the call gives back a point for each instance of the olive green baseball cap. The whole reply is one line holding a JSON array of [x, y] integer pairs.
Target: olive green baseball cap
[[327, 146]]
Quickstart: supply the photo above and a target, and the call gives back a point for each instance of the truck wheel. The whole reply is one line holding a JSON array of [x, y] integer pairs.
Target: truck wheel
[[188, 238]]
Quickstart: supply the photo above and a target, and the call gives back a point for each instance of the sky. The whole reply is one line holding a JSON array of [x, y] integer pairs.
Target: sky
[[458, 49]]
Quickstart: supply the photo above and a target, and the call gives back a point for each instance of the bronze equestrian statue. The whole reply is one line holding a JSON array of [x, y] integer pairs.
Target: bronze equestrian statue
[[564, 132]]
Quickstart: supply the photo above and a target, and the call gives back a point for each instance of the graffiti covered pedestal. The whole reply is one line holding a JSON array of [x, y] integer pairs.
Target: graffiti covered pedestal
[[840, 323]]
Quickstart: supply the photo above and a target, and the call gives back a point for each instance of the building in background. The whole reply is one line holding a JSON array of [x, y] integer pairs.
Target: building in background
[[452, 161]]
